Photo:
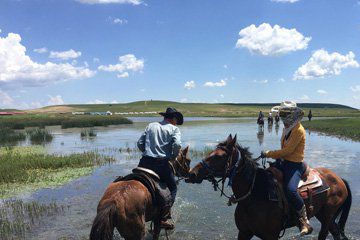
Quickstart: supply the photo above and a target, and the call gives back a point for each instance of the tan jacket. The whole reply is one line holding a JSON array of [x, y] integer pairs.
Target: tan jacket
[[293, 148]]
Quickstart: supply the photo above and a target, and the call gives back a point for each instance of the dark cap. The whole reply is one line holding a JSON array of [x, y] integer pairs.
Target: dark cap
[[173, 113]]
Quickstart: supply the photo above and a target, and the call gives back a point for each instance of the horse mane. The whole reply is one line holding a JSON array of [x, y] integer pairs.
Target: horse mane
[[250, 165], [245, 153]]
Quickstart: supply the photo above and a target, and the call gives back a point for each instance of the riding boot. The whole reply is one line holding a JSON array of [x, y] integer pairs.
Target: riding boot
[[305, 227], [166, 221]]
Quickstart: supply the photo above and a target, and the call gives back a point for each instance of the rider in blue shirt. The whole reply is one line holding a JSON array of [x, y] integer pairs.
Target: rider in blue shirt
[[160, 142]]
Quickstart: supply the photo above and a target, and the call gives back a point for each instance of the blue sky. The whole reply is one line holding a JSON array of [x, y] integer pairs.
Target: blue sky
[[95, 51]]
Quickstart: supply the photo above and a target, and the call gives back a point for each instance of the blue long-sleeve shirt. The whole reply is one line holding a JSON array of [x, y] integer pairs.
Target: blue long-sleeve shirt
[[160, 140]]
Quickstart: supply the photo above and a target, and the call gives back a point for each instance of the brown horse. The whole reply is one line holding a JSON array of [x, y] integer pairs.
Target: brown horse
[[258, 216], [127, 205]]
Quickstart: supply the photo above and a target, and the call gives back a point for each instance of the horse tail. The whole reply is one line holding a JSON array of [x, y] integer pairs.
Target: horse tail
[[103, 225], [344, 209]]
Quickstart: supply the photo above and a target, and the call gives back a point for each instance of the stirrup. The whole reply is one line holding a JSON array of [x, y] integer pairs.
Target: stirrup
[[167, 225]]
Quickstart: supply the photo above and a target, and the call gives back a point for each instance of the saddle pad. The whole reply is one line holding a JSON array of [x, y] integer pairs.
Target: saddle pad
[[313, 181], [146, 170]]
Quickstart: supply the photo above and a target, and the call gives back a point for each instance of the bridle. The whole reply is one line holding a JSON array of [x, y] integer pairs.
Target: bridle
[[179, 165], [230, 170]]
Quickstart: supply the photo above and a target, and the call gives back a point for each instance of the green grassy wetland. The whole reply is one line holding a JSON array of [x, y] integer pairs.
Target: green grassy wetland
[[29, 168], [341, 127]]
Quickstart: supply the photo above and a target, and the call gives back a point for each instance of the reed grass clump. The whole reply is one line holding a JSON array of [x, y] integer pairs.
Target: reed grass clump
[[8, 135], [93, 121], [64, 120], [17, 217], [88, 133], [39, 135]]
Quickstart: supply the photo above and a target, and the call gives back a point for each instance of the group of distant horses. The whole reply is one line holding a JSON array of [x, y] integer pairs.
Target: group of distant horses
[[127, 205]]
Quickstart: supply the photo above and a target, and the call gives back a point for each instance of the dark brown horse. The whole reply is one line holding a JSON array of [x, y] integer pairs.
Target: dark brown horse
[[258, 216], [127, 205]]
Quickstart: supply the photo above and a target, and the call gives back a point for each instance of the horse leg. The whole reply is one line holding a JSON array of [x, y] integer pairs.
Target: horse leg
[[157, 229], [326, 218], [334, 230], [244, 236], [135, 229]]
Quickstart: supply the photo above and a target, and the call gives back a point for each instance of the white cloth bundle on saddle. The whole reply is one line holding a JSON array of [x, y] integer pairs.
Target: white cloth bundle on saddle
[[313, 179], [146, 170]]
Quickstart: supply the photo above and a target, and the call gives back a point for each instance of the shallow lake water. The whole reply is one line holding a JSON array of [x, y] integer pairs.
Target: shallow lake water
[[199, 212]]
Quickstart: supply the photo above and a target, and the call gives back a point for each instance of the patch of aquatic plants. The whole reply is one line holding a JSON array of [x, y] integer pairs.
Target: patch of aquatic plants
[[88, 133], [17, 218], [39, 135], [340, 127], [8, 135], [65, 120], [93, 121], [16, 167]]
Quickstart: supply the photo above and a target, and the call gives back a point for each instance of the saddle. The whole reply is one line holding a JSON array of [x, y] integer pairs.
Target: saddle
[[160, 194], [310, 185]]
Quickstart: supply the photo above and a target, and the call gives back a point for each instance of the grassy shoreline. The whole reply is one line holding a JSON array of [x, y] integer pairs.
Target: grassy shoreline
[[64, 120], [200, 109], [348, 128]]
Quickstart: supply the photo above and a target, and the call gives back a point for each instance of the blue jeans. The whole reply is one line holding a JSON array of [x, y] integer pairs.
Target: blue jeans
[[162, 168], [292, 172]]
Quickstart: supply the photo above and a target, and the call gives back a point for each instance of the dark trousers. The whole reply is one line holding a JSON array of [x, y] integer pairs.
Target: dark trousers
[[162, 168], [292, 172]]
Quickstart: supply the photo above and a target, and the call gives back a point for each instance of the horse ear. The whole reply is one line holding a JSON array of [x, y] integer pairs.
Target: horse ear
[[186, 150], [232, 142], [229, 138]]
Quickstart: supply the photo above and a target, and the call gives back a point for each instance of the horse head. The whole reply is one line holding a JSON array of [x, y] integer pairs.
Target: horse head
[[181, 164], [216, 164]]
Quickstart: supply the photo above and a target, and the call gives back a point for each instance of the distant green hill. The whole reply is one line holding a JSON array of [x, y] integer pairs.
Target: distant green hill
[[200, 109]]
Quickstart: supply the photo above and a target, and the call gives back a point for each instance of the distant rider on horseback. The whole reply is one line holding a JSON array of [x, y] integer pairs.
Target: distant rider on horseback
[[292, 157], [159, 143]]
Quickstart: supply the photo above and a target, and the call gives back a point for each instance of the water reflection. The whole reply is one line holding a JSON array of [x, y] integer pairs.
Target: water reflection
[[260, 135], [277, 126], [270, 127]]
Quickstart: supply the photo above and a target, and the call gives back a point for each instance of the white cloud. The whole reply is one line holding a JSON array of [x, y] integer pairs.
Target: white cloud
[[5, 99], [70, 54], [324, 64], [281, 80], [304, 97], [96, 101], [222, 96], [126, 63], [0, 30], [265, 81], [184, 100], [133, 2], [222, 83], [322, 92], [189, 85], [123, 75], [355, 88], [120, 21], [41, 50], [18, 68], [225, 66], [56, 100], [269, 41], [285, 1], [96, 60]]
